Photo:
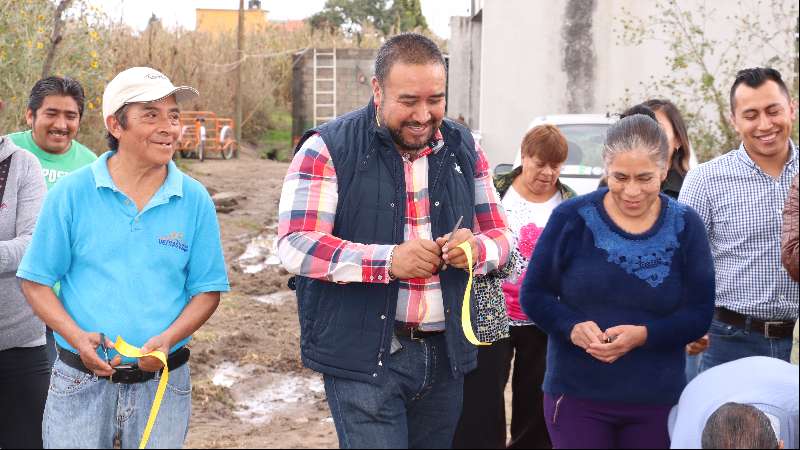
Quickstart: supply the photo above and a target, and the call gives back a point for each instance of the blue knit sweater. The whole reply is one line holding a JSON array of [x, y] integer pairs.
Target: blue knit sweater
[[586, 268]]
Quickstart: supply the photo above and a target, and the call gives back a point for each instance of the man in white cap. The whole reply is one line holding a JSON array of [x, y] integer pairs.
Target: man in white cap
[[713, 413], [135, 245]]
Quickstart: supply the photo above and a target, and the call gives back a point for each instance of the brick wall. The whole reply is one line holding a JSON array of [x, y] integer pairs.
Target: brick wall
[[354, 70]]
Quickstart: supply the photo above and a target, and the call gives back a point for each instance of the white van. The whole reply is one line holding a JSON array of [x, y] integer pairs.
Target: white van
[[585, 135]]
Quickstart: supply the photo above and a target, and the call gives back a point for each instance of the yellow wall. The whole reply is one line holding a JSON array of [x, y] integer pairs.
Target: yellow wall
[[224, 20]]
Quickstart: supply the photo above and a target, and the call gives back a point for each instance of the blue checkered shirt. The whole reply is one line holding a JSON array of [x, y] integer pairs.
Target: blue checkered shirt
[[742, 208]]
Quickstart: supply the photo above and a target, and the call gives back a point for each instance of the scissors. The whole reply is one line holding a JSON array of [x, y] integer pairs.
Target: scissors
[[450, 238], [105, 349]]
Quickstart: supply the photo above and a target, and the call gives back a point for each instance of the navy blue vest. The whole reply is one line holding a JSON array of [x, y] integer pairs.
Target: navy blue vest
[[346, 329]]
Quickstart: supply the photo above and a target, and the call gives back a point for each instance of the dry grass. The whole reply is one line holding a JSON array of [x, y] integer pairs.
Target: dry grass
[[94, 48]]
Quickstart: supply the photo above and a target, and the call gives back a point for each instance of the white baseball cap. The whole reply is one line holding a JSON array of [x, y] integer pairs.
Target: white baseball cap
[[141, 85]]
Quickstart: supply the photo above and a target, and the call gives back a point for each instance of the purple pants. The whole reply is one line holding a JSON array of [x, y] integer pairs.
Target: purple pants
[[577, 423]]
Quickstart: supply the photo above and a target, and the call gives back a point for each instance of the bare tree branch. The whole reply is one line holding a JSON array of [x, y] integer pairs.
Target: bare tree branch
[[56, 37]]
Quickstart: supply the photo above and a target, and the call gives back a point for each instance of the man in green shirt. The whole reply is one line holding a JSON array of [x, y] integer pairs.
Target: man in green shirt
[[55, 109]]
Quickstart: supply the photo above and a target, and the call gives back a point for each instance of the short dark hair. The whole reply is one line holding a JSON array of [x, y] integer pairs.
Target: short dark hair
[[122, 117], [734, 425], [755, 77], [61, 86], [408, 48]]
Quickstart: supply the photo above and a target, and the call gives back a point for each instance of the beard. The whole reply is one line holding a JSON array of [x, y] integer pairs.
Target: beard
[[397, 133]]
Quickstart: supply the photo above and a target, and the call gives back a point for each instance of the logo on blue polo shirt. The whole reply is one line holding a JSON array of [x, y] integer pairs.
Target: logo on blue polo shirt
[[3, 206], [175, 240]]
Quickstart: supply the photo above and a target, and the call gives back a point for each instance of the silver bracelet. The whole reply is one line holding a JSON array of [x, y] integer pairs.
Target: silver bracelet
[[389, 265]]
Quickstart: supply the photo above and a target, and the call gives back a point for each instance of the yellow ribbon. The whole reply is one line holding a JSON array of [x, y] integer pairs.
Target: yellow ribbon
[[125, 349], [466, 321]]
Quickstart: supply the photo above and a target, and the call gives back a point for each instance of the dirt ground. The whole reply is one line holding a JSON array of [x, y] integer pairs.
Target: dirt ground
[[250, 389]]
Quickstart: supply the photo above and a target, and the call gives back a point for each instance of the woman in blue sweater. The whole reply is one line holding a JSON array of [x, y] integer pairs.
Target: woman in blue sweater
[[621, 280]]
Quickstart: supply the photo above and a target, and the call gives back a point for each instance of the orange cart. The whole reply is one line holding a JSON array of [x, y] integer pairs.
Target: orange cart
[[203, 133]]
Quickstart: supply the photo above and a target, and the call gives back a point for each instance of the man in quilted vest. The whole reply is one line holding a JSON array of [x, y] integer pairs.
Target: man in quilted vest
[[367, 208]]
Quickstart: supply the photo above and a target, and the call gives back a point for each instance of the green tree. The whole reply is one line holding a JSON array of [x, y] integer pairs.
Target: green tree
[[354, 17], [703, 66], [406, 15], [27, 35]]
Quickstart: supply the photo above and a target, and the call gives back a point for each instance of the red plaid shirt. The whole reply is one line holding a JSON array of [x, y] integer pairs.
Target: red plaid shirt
[[306, 246]]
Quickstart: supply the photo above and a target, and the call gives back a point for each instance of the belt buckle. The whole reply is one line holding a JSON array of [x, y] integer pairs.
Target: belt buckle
[[126, 375], [412, 337], [767, 326]]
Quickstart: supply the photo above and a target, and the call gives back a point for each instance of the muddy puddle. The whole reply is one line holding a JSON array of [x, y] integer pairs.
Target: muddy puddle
[[276, 299], [260, 396], [261, 252]]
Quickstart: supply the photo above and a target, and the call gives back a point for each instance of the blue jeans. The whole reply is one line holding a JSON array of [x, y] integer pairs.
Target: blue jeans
[[417, 407], [83, 411], [728, 343], [693, 366]]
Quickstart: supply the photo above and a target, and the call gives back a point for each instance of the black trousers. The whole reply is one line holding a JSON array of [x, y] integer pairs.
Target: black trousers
[[483, 419], [50, 347], [24, 381]]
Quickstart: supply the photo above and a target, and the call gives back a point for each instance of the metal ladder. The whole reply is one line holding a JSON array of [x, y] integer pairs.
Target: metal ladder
[[324, 86]]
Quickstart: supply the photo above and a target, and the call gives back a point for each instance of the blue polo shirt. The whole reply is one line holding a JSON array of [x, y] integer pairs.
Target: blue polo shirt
[[124, 272]]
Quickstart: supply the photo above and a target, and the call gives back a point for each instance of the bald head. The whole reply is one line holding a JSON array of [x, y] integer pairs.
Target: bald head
[[734, 425]]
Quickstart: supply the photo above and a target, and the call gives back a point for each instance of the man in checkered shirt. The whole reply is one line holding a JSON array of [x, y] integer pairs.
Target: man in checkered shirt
[[740, 197]]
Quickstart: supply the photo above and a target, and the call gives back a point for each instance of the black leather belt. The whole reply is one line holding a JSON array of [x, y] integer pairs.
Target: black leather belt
[[125, 374], [414, 333], [778, 329]]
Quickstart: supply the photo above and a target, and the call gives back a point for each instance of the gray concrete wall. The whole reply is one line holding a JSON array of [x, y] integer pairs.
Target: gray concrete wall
[[353, 88], [521, 71], [464, 73], [557, 57], [579, 56]]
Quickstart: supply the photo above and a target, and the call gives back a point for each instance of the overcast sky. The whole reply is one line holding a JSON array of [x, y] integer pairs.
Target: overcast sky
[[137, 12]]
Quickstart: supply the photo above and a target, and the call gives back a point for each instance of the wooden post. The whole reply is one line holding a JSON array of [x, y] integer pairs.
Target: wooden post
[[55, 38], [240, 54]]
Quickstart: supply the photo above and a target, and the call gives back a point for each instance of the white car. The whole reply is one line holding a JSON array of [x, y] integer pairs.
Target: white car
[[585, 135]]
